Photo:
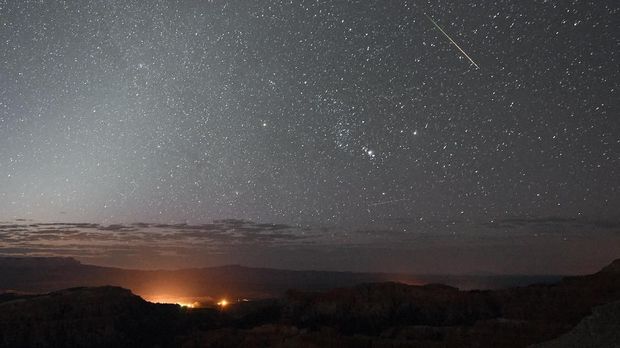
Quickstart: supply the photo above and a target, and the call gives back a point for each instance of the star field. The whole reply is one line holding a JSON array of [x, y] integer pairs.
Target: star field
[[308, 113]]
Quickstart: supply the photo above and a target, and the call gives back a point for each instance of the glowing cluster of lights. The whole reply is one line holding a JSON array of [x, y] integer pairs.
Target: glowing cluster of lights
[[188, 305], [176, 301]]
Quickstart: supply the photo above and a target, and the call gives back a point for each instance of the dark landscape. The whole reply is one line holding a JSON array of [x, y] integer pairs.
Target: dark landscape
[[581, 310]]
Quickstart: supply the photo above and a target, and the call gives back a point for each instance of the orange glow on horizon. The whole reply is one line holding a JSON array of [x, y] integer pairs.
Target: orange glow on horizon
[[188, 305], [177, 301], [223, 303]]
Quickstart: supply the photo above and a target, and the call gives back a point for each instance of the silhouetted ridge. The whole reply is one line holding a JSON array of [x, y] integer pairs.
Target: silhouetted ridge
[[601, 329], [612, 268], [39, 275], [88, 317]]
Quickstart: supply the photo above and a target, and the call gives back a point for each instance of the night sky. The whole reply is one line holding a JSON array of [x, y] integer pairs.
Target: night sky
[[338, 134]]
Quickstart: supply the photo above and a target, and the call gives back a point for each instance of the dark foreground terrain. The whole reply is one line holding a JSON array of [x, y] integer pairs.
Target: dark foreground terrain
[[575, 312]]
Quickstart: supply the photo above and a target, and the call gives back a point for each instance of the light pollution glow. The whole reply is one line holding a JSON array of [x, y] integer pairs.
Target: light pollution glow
[[181, 301]]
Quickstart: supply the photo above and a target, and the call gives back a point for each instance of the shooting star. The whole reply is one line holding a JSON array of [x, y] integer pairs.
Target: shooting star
[[388, 202], [453, 42]]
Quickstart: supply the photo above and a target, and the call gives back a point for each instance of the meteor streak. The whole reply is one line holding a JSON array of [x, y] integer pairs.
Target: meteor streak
[[388, 202], [453, 42]]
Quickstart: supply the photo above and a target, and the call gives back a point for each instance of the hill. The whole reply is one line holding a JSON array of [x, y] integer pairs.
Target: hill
[[576, 309]]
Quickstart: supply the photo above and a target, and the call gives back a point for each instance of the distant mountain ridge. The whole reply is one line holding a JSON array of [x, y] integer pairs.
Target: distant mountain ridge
[[44, 274]]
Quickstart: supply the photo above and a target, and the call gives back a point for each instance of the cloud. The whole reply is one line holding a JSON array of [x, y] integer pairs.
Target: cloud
[[554, 223], [233, 240], [38, 237]]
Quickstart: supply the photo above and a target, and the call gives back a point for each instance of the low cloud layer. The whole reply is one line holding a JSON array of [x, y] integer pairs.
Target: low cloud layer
[[402, 244]]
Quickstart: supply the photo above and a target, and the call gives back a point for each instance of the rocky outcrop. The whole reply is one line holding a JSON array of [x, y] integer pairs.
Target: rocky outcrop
[[87, 317], [437, 314], [372, 308], [612, 269], [599, 330]]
